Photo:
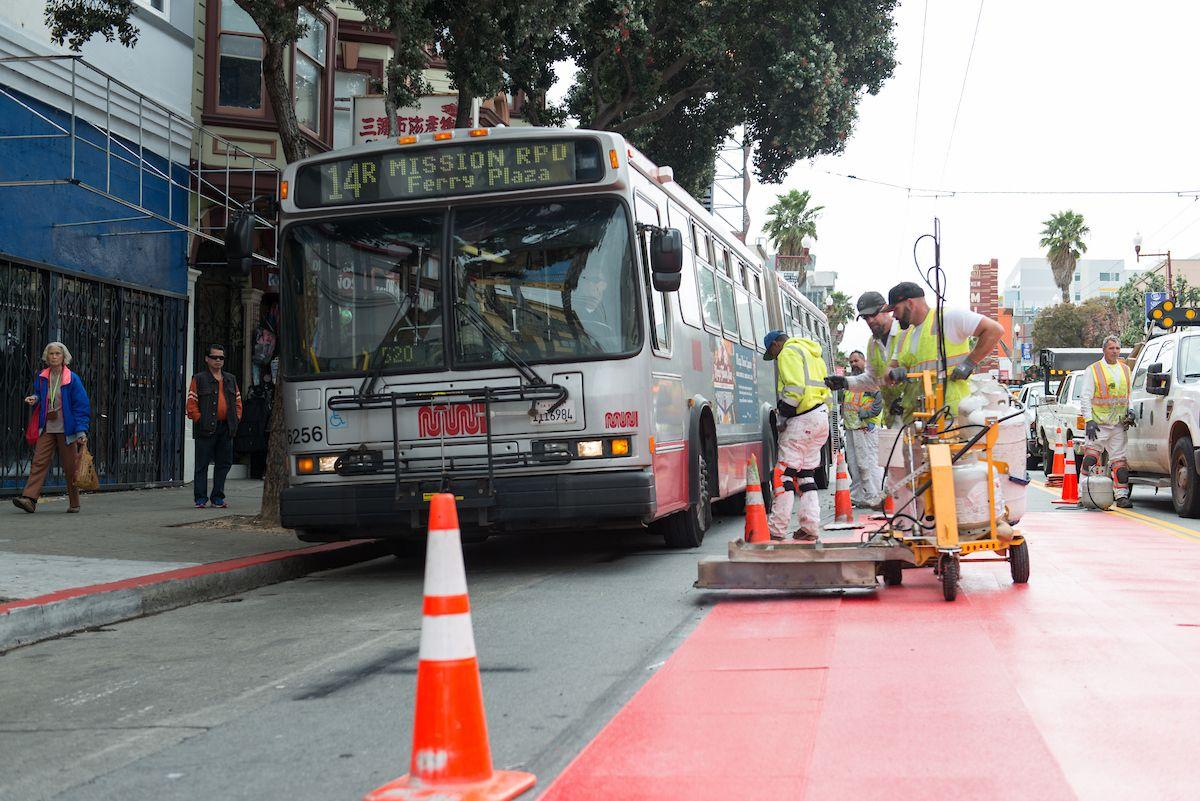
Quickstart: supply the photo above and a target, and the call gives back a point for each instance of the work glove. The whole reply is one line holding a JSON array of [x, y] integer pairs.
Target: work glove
[[786, 410], [963, 371], [897, 408], [1130, 419], [1092, 430], [836, 382], [897, 375]]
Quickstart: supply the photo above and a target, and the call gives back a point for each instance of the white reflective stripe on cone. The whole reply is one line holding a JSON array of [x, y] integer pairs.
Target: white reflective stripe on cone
[[444, 571], [445, 637], [753, 497]]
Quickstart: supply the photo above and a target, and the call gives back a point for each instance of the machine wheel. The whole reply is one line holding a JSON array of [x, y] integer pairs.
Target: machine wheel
[[686, 529], [1185, 492], [893, 573], [948, 569], [1018, 562]]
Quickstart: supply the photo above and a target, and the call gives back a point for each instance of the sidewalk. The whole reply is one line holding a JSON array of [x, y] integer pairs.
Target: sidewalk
[[150, 550]]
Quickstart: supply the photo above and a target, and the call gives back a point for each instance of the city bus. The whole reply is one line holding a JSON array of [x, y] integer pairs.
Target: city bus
[[539, 321]]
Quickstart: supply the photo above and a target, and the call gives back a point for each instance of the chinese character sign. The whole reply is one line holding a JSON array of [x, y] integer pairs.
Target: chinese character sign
[[434, 113]]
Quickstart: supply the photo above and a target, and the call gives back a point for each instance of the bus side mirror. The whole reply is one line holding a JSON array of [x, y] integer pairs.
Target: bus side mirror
[[239, 242], [666, 259]]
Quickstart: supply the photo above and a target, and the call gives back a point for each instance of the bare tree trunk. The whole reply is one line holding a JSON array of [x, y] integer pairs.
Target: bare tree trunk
[[279, 93], [275, 475], [463, 120]]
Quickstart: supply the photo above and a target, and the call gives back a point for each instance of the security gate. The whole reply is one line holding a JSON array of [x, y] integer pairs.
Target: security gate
[[128, 347]]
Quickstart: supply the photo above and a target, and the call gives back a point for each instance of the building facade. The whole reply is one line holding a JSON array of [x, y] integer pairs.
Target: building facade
[[94, 154], [985, 299]]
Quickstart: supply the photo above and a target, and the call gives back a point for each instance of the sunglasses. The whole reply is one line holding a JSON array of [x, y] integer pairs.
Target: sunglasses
[[217, 358]]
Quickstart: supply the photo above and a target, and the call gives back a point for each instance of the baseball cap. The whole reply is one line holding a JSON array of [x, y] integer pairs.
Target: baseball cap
[[904, 290], [870, 303], [768, 341]]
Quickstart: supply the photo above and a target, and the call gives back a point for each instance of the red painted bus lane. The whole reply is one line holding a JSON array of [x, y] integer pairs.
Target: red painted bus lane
[[1085, 683]]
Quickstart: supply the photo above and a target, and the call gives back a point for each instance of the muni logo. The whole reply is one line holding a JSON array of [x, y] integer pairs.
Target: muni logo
[[451, 420], [620, 419]]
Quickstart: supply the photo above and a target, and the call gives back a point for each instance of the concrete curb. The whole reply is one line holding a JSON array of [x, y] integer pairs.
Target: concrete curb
[[32, 620]]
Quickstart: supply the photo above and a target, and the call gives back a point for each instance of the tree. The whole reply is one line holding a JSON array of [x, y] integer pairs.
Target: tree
[[840, 311], [1063, 239], [1131, 303], [789, 220], [1059, 326], [1098, 317], [410, 22], [677, 77]]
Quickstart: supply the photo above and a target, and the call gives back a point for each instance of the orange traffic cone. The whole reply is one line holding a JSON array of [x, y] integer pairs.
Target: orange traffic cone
[[843, 511], [1070, 484], [756, 512], [889, 505], [450, 757], [1054, 479]]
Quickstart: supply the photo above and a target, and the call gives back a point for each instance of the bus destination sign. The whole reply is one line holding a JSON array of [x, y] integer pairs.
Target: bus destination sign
[[443, 171]]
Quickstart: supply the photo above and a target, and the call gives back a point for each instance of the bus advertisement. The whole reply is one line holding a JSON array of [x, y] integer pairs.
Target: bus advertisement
[[539, 321]]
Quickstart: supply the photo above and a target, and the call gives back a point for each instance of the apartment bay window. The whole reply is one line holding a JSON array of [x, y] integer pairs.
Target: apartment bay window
[[239, 70], [309, 72]]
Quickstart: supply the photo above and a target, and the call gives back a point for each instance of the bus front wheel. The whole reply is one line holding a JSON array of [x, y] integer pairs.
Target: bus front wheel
[[686, 529]]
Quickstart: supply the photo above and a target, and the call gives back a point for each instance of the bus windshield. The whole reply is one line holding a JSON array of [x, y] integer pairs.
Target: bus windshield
[[548, 281], [365, 293], [551, 280]]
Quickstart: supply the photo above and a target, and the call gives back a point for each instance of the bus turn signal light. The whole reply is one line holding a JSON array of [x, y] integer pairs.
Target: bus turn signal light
[[306, 465], [613, 159], [620, 447], [283, 190]]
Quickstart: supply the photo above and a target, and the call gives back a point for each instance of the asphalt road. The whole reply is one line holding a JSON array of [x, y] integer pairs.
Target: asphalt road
[[304, 690]]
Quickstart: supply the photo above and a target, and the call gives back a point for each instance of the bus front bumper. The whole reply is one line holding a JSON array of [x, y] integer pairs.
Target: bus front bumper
[[344, 509]]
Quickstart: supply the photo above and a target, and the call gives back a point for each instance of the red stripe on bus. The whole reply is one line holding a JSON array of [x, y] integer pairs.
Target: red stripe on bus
[[446, 605]]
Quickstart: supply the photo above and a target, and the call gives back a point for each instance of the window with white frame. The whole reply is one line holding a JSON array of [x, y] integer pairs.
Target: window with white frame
[[309, 75], [240, 49], [346, 87]]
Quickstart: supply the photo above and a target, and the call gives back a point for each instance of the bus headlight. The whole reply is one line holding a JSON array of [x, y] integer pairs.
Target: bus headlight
[[590, 448], [311, 465], [327, 464]]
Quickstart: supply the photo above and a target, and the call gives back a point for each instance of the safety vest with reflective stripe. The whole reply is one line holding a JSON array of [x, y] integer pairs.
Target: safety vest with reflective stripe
[[855, 408], [1110, 393], [919, 352], [801, 375], [879, 359]]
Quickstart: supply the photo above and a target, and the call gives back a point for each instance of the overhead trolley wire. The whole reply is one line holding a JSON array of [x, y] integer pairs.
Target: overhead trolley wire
[[961, 92], [933, 192]]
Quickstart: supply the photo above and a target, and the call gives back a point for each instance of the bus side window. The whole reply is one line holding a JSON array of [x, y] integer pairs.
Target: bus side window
[[697, 240], [728, 308], [745, 324], [737, 279], [759, 318], [708, 296], [660, 313]]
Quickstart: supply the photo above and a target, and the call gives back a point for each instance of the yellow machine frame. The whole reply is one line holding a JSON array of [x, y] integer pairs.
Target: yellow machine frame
[[945, 550]]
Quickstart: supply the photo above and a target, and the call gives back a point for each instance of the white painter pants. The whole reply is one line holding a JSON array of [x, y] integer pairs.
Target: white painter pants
[[800, 444], [1113, 439], [866, 476]]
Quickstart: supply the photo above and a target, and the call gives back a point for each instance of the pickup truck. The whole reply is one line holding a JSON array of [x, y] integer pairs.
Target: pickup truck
[[1031, 397], [1061, 410], [1165, 400]]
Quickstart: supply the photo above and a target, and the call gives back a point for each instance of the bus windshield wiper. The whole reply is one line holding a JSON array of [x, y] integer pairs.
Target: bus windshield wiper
[[368, 384], [475, 319]]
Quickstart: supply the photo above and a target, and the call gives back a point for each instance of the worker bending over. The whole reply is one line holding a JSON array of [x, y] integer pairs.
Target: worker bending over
[[885, 335], [803, 429], [918, 349], [861, 415], [1104, 404]]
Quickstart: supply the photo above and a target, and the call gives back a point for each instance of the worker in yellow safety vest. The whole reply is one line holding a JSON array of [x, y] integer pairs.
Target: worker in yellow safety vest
[[1104, 404], [885, 335], [803, 429], [861, 414], [918, 349]]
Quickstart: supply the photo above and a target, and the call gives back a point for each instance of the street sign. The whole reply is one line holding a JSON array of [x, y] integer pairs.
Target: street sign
[[1153, 299], [1026, 351]]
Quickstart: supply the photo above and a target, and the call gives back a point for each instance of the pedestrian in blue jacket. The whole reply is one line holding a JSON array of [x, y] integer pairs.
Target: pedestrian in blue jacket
[[64, 414]]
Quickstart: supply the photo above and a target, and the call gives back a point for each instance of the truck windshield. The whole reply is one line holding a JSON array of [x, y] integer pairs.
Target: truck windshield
[[553, 280]]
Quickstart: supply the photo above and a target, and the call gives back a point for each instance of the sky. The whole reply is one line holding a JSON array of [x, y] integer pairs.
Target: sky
[[1061, 96]]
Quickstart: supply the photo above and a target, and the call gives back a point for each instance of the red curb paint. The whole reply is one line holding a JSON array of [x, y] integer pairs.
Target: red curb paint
[[210, 568], [1081, 684]]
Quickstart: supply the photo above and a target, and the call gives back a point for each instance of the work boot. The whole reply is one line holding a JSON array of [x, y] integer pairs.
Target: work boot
[[1125, 503], [803, 536]]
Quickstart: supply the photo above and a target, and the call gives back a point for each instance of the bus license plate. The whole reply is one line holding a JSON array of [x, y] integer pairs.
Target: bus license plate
[[563, 415]]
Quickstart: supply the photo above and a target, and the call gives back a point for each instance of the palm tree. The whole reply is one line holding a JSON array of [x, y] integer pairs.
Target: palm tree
[[1063, 239], [840, 312], [789, 221]]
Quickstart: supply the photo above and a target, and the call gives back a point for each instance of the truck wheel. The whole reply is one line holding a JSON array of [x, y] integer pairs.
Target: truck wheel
[[1185, 494], [821, 477], [1047, 457]]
